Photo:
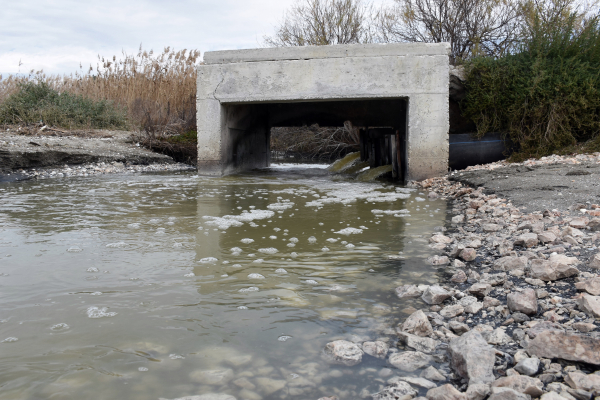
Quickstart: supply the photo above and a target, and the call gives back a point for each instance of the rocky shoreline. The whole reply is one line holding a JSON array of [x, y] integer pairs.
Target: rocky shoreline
[[519, 315]]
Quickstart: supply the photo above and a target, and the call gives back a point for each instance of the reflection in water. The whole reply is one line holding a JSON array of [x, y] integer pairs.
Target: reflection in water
[[164, 286]]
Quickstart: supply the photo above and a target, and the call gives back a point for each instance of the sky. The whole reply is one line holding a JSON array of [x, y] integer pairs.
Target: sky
[[57, 35]]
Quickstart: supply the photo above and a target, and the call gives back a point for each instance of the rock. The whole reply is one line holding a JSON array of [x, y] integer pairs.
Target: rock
[[580, 381], [578, 223], [376, 349], [490, 302], [422, 344], [244, 383], [459, 219], [542, 327], [570, 231], [408, 291], [396, 390], [472, 358], [343, 352], [417, 324], [212, 376], [528, 366], [470, 304], [432, 374], [592, 286], [452, 311], [595, 261], [491, 228], [439, 238], [547, 237], [480, 289], [594, 225], [435, 295], [468, 254], [506, 394], [496, 336], [478, 391], [521, 384], [420, 382], [446, 392], [527, 240], [584, 327], [458, 327], [493, 279], [459, 277], [525, 302], [510, 263], [589, 305], [552, 396], [410, 361], [438, 260], [572, 347], [519, 317], [548, 270], [270, 386]]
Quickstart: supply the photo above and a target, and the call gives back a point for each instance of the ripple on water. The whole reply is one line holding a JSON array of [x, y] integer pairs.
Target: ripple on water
[[9, 340], [60, 327], [92, 269], [283, 338], [74, 249], [96, 312], [118, 245]]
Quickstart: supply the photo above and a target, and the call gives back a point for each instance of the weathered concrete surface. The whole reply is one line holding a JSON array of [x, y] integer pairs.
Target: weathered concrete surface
[[235, 86]]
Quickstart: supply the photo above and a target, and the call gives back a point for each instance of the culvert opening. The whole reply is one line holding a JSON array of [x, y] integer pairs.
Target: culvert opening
[[323, 130]]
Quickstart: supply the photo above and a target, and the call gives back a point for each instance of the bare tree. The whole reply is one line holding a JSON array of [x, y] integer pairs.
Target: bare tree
[[325, 22], [473, 27]]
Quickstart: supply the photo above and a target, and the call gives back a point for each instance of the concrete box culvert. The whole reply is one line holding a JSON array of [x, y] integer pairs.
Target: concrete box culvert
[[243, 93]]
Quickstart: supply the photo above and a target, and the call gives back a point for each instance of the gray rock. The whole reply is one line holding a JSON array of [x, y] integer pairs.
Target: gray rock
[[418, 343], [458, 327], [420, 382], [589, 304], [506, 394], [376, 349], [435, 295], [527, 240], [497, 336], [480, 289], [343, 352], [510, 263], [408, 291], [452, 311], [398, 389], [528, 366], [471, 357], [558, 344], [521, 384], [468, 254], [212, 376], [595, 262], [446, 392], [592, 286], [207, 396], [432, 374], [580, 381], [548, 270], [478, 391], [417, 324], [524, 301], [410, 361], [270, 386]]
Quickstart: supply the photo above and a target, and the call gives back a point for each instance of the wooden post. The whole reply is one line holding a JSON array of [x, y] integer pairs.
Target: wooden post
[[363, 144], [393, 156]]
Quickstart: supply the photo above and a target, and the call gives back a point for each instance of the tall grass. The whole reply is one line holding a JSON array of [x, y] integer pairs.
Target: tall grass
[[158, 91]]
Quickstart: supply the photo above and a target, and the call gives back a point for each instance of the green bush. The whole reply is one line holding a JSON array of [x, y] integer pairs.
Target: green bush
[[37, 102], [545, 98]]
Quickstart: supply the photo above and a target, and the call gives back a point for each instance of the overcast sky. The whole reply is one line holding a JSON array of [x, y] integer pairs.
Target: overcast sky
[[56, 35]]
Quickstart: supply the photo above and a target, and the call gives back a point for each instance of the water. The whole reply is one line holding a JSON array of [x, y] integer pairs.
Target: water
[[170, 285]]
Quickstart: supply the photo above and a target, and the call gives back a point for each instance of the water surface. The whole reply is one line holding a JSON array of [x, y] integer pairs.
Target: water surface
[[170, 285]]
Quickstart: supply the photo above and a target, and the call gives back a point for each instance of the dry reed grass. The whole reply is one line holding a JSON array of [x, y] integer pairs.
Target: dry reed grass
[[157, 90]]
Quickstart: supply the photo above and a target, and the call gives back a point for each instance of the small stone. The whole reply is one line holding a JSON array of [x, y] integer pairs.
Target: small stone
[[270, 386], [440, 239], [343, 352], [397, 389], [547, 237], [595, 262], [410, 361], [478, 391], [578, 223], [480, 289], [510, 263], [420, 382], [432, 374], [584, 327], [528, 366], [468, 254], [491, 228], [521, 384], [408, 291], [471, 357], [524, 301], [435, 295], [418, 324], [212, 377], [557, 344], [459, 277], [580, 381], [527, 240], [592, 286], [502, 393], [418, 343], [438, 260], [376, 349], [547, 270], [589, 304], [459, 219], [452, 311], [445, 392], [458, 327]]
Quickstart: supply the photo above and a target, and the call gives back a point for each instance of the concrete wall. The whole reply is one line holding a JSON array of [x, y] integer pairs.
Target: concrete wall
[[234, 86]]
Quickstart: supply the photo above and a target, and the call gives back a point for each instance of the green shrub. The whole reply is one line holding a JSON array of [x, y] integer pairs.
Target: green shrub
[[36, 102], [546, 98]]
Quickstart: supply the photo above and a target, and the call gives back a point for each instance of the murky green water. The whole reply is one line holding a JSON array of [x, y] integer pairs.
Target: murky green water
[[136, 287]]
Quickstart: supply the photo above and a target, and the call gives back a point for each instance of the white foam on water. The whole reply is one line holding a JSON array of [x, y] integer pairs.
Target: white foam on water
[[332, 240], [92, 269], [312, 240], [74, 249], [10, 340], [390, 212], [207, 260], [224, 276], [294, 240], [190, 275], [249, 289], [311, 282], [96, 312], [325, 249], [176, 357], [255, 276], [177, 245], [281, 271], [419, 199], [134, 226], [96, 294], [142, 369], [349, 231], [280, 206], [291, 245], [60, 327], [247, 241], [283, 338], [258, 261], [350, 246], [228, 221], [268, 250], [242, 308], [236, 250], [237, 265], [294, 254], [118, 245], [272, 237]]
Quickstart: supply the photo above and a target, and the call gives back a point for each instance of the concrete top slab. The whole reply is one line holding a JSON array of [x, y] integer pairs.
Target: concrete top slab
[[316, 52]]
